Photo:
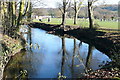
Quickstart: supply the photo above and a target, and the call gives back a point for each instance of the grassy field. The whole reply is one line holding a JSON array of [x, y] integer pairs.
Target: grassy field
[[82, 23]]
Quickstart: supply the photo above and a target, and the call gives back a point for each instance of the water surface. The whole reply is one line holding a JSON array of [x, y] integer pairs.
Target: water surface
[[48, 55]]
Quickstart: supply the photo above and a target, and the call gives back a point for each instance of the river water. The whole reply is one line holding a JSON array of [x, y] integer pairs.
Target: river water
[[49, 56]]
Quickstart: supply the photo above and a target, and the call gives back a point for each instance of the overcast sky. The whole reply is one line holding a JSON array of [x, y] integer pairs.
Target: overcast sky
[[53, 3]]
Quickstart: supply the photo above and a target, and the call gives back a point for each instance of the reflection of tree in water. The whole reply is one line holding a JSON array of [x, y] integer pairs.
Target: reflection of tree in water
[[29, 39], [74, 51], [19, 64], [77, 57], [29, 51], [30, 44], [89, 56], [76, 65], [63, 56], [61, 74]]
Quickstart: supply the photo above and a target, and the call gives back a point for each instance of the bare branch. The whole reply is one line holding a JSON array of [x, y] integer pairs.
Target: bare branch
[[80, 4], [60, 10], [18, 3], [27, 5]]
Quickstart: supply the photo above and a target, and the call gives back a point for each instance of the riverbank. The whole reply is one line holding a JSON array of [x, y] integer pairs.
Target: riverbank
[[9, 47]]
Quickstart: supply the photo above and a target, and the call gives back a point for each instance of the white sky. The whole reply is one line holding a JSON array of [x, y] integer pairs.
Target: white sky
[[53, 3]]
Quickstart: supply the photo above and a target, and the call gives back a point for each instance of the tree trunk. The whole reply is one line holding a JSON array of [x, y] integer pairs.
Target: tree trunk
[[75, 14], [1, 27], [0, 14], [90, 15], [5, 17], [13, 13], [8, 15], [0, 10], [75, 17], [29, 11], [64, 13], [21, 10], [9, 21], [13, 17], [63, 19]]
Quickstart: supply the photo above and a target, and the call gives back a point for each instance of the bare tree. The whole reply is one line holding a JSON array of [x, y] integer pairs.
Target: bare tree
[[90, 12], [63, 9], [29, 12], [22, 8], [10, 20], [76, 6]]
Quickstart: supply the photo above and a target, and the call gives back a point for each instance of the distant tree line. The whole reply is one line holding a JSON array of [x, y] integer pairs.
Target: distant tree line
[[75, 9], [99, 12]]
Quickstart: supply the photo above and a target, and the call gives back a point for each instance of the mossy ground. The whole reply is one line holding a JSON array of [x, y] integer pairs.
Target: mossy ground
[[8, 47]]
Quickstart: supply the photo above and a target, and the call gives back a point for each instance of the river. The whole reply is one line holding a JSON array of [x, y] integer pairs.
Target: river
[[49, 56]]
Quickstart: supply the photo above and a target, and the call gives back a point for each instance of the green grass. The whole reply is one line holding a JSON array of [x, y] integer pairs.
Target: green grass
[[108, 24], [82, 23]]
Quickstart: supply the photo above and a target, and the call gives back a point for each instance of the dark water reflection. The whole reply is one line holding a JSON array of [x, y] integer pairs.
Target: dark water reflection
[[57, 55]]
